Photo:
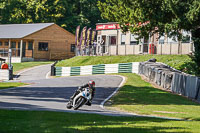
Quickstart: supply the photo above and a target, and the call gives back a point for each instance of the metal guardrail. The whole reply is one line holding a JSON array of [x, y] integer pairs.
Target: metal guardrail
[[98, 69]]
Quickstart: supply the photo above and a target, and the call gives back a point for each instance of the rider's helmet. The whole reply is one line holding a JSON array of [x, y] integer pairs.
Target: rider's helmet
[[91, 83]]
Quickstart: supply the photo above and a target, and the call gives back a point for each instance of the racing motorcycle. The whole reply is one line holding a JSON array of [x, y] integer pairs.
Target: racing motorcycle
[[79, 100]]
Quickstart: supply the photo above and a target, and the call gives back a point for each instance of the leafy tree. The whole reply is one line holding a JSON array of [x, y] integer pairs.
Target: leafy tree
[[87, 12], [66, 13], [164, 16]]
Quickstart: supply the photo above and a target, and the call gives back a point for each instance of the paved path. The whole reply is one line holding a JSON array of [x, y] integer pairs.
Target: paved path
[[34, 73], [52, 94]]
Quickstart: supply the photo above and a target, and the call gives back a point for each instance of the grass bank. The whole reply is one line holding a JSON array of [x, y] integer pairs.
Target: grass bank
[[5, 85], [180, 62], [59, 122], [20, 66], [140, 97]]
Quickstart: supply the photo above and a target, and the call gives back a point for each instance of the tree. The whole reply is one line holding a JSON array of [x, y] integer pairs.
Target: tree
[[66, 13], [164, 16], [87, 12]]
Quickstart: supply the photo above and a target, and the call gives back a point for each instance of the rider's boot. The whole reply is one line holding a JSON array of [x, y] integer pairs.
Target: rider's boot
[[89, 103]]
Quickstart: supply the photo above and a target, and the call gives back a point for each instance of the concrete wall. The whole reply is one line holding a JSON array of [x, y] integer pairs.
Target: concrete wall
[[4, 74], [185, 48]]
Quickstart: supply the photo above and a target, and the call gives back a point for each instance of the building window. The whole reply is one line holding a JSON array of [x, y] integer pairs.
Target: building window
[[73, 47], [133, 40], [0, 43], [13, 44], [43, 46], [123, 38], [112, 40], [6, 43], [30, 45]]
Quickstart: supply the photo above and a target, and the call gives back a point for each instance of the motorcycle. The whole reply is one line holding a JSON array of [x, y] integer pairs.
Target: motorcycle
[[82, 98]]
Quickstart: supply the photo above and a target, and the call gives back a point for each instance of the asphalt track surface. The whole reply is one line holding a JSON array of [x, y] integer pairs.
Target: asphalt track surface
[[52, 94]]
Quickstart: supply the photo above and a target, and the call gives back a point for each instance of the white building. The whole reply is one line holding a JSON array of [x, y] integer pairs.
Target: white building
[[112, 41]]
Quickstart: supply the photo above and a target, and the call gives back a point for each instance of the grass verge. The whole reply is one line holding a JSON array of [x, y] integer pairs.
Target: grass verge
[[59, 122], [135, 96], [5, 85], [20, 66], [138, 96], [181, 62]]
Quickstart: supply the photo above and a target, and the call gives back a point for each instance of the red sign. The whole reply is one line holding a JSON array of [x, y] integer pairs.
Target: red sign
[[107, 27]]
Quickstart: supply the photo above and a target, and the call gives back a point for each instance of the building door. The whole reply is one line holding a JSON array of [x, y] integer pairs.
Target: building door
[[103, 44], [18, 49], [98, 49]]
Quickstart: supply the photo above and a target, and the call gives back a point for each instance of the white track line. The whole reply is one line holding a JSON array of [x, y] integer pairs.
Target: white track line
[[47, 75], [123, 81]]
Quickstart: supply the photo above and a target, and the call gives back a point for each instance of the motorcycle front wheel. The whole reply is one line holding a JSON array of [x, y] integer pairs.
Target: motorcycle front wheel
[[79, 102], [69, 105]]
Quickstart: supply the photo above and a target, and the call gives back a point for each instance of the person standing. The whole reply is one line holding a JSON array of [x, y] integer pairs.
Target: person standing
[[4, 65], [102, 47], [94, 47]]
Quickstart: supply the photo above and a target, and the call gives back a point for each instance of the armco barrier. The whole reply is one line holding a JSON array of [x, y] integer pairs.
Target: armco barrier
[[75, 71], [98, 69], [159, 73], [171, 79]]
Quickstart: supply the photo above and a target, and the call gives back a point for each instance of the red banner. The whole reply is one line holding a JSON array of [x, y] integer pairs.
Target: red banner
[[107, 27], [77, 35]]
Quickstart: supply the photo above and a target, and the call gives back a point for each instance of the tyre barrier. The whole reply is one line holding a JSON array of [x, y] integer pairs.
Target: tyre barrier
[[171, 79]]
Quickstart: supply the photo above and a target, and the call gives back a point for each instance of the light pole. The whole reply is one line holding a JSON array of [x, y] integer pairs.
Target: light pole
[[10, 56]]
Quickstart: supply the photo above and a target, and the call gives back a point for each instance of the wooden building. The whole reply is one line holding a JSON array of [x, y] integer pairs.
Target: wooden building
[[40, 41]]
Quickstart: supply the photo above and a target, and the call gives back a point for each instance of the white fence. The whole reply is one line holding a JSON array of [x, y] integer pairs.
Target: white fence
[[145, 48]]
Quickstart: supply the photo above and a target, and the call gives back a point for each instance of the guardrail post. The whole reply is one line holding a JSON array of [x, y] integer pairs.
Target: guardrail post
[[11, 73], [53, 69]]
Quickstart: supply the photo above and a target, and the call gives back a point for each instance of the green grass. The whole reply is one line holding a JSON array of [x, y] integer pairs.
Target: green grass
[[60, 122], [180, 62], [20, 66], [138, 96], [5, 85]]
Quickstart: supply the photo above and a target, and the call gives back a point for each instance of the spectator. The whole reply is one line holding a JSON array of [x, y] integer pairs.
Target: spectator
[[4, 65], [94, 46]]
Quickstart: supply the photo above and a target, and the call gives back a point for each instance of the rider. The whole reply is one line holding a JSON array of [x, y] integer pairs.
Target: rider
[[91, 86]]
